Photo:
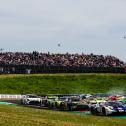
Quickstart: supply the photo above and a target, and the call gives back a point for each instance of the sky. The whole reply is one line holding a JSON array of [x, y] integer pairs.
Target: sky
[[88, 26]]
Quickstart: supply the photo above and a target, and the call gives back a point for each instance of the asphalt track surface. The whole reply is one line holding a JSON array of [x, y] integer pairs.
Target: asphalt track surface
[[87, 113], [81, 113]]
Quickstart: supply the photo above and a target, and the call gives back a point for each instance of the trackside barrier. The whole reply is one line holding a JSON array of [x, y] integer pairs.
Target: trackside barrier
[[19, 96], [94, 94], [31, 69], [10, 96]]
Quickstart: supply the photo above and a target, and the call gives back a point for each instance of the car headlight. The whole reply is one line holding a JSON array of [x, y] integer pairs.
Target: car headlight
[[109, 107], [28, 100]]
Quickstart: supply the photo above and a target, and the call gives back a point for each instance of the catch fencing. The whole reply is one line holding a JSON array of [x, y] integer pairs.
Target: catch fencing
[[31, 69]]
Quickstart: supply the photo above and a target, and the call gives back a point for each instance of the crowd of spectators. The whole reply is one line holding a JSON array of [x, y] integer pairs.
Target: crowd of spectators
[[36, 58]]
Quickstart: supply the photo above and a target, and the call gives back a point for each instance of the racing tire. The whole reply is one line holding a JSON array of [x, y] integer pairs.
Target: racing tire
[[48, 104], [69, 106], [104, 112], [52, 106], [22, 102], [56, 105], [61, 106], [93, 111]]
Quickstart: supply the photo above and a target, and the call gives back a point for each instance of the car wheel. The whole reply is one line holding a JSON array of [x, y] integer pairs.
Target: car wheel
[[48, 104], [52, 105], [56, 105], [93, 112], [69, 107], [22, 102], [104, 112]]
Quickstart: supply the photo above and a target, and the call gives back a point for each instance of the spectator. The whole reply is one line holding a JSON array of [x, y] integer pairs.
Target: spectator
[[36, 58]]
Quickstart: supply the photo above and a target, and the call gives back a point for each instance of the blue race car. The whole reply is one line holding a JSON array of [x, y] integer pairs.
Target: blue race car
[[108, 108]]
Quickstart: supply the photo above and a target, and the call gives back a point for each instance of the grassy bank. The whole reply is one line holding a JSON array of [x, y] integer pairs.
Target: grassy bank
[[62, 83], [19, 116]]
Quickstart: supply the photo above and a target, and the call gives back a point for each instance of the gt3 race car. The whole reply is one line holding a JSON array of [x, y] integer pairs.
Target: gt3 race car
[[108, 108], [61, 103], [30, 99]]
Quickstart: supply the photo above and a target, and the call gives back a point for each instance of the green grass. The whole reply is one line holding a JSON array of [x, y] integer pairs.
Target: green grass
[[55, 84], [19, 116], [62, 83]]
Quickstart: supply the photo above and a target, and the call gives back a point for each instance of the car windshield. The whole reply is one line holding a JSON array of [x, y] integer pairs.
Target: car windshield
[[31, 96], [75, 99], [114, 104], [51, 98], [62, 99]]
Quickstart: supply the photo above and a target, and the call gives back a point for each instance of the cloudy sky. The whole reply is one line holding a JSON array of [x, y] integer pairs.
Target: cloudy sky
[[88, 26]]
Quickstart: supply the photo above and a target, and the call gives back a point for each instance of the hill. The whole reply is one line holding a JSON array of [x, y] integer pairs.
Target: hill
[[62, 83]]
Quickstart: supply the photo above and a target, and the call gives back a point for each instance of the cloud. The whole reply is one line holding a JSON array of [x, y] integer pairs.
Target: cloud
[[81, 25]]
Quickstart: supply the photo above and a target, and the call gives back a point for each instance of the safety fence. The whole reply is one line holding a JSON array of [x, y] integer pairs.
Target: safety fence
[[31, 69], [10, 96]]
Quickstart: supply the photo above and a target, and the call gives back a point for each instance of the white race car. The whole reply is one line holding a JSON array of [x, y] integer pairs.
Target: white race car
[[31, 99]]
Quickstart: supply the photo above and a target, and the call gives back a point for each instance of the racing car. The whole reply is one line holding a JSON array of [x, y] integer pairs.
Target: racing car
[[73, 102], [115, 97], [51, 101], [30, 99], [108, 108], [123, 100], [61, 102]]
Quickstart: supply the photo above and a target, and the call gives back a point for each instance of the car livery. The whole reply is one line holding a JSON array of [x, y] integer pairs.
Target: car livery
[[108, 108], [31, 99]]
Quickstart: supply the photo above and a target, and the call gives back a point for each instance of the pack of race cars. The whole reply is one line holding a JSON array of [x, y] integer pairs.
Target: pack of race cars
[[97, 104]]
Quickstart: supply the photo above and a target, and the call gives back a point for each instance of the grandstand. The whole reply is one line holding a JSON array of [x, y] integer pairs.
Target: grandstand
[[35, 62]]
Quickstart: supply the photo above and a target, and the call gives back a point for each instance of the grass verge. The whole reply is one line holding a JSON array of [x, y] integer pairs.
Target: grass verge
[[22, 116], [63, 83]]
